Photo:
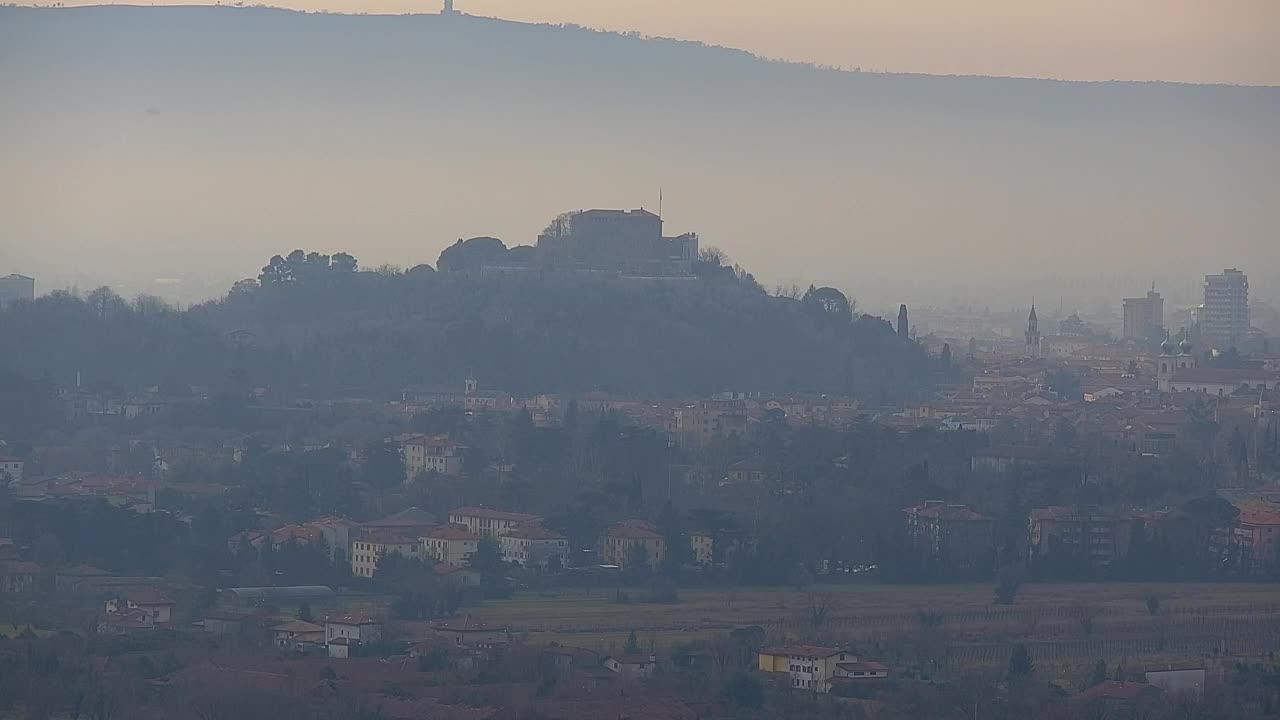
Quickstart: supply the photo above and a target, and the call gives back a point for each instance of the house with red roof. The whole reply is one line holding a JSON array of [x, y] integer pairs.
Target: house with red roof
[[156, 607], [624, 541]]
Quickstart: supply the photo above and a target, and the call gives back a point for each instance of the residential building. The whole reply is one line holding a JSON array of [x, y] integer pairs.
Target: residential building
[[156, 607], [14, 288], [336, 533], [1094, 535], [369, 548], [450, 544], [622, 542], [532, 544], [806, 667], [457, 575], [10, 469], [470, 632], [1004, 458], [1144, 316], [1253, 543], [1226, 310], [410, 521], [861, 671], [490, 523], [746, 471], [702, 545], [699, 424], [17, 577], [633, 666], [299, 635], [352, 627], [297, 535], [227, 624], [952, 536], [1119, 699], [426, 453]]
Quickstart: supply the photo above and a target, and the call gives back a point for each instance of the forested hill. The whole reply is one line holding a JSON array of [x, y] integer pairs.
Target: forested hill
[[194, 141], [335, 331]]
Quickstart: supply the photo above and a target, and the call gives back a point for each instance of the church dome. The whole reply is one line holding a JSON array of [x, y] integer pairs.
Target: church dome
[[1166, 347], [1185, 346]]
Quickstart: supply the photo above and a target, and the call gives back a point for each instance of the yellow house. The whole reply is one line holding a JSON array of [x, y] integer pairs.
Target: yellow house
[[490, 523], [366, 551], [450, 544], [808, 667], [617, 543]]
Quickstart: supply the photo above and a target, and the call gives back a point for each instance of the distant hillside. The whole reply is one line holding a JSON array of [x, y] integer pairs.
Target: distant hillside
[[332, 332], [192, 141]]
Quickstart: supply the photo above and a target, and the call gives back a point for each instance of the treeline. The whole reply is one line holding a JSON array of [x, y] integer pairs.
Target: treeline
[[314, 324]]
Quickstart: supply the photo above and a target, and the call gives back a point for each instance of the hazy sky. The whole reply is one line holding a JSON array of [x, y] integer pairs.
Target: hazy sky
[[1229, 41]]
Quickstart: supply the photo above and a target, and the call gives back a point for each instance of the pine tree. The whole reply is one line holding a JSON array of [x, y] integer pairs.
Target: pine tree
[[1020, 665], [1099, 673], [633, 644]]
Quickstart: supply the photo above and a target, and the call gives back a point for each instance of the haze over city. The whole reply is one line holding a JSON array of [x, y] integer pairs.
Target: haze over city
[[150, 175], [591, 359]]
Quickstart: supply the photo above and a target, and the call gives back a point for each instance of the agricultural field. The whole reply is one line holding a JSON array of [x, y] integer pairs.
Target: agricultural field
[[944, 628]]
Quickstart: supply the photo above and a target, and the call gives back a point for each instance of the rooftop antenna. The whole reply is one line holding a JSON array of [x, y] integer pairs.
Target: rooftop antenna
[[659, 201]]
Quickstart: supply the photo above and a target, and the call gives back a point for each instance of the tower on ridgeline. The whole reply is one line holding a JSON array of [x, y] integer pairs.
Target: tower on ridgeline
[[448, 8], [903, 327]]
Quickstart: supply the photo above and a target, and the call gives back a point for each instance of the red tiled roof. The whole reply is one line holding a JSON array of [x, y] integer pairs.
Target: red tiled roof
[[83, 571], [465, 624], [1116, 690], [450, 532], [949, 512], [817, 651], [148, 597], [863, 667], [350, 620], [633, 530], [1249, 516], [1223, 376], [299, 626], [489, 514], [534, 532], [18, 567]]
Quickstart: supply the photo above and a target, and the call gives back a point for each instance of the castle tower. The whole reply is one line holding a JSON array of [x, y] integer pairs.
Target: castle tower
[[903, 327], [1033, 333]]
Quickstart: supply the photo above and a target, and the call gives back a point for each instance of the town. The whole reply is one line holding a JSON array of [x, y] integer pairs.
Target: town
[[1047, 523]]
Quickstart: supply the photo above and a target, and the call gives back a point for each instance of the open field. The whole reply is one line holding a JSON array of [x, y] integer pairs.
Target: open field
[[869, 604], [1065, 626]]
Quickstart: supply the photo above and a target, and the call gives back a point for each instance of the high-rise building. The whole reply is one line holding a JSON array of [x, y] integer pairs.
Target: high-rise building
[[1225, 323], [1144, 316], [16, 287]]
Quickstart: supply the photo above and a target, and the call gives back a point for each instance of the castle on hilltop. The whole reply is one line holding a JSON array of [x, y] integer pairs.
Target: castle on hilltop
[[629, 242]]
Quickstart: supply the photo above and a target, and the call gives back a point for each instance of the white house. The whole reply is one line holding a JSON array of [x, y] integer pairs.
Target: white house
[[157, 608], [10, 469], [343, 633]]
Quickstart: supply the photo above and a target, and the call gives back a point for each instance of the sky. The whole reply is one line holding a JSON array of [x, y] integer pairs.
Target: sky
[[192, 146], [1198, 41]]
